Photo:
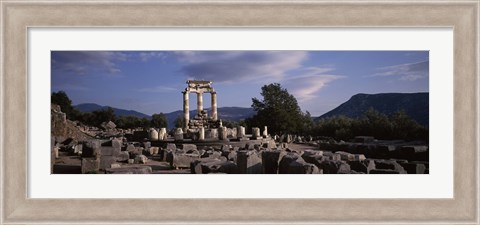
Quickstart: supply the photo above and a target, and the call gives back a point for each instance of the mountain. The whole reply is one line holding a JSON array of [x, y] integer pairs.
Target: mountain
[[415, 105], [224, 113], [90, 107]]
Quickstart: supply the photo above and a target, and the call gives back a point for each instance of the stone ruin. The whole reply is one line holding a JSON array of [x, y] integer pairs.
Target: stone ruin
[[204, 146]]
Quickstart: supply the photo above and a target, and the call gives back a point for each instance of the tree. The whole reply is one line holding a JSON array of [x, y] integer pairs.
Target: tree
[[103, 115], [278, 110], [179, 122], [60, 98], [159, 120]]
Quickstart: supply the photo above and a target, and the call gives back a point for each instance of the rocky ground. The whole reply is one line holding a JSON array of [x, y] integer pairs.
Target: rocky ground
[[77, 149]]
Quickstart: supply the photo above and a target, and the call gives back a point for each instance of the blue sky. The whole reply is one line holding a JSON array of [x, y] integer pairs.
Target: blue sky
[[152, 81]]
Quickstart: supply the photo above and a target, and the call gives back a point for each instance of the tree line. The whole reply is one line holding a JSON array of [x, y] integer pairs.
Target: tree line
[[280, 111], [97, 117]]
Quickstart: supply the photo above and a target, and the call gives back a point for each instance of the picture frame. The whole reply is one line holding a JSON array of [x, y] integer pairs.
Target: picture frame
[[18, 17]]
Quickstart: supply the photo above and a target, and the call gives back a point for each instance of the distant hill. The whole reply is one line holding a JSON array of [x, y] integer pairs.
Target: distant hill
[[414, 104], [224, 113], [90, 107]]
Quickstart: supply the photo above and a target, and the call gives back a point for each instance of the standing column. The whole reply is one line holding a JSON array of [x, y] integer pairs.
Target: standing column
[[199, 102], [186, 110], [214, 105]]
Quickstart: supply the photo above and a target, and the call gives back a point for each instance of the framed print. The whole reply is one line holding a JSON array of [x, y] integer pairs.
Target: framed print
[[44, 40]]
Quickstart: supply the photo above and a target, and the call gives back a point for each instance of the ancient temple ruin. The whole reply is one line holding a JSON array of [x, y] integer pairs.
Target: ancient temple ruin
[[201, 119]]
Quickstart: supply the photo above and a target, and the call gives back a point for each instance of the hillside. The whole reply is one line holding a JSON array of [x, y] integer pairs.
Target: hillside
[[90, 107], [414, 104]]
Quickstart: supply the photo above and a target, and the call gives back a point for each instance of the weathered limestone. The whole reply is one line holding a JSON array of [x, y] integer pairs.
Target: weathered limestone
[[299, 166], [390, 165], [188, 147], [265, 132], [107, 161], [334, 167], [153, 135], [122, 156], [196, 165], [90, 149], [199, 102], [162, 134], [248, 162], [256, 133], [186, 109], [201, 134], [220, 167], [141, 159], [181, 160], [171, 147], [270, 161], [90, 165], [178, 134], [214, 106], [222, 133], [240, 132], [211, 133]]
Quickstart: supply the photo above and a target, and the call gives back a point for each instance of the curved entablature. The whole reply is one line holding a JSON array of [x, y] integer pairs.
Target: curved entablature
[[199, 86]]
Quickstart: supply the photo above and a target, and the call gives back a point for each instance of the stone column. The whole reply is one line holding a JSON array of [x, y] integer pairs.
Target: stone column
[[222, 133], [199, 102], [255, 132], [186, 109], [240, 132], [201, 134], [214, 105]]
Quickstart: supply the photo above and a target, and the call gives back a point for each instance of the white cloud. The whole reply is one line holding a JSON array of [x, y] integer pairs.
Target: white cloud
[[406, 72], [158, 89], [86, 62], [238, 66], [146, 56], [304, 87]]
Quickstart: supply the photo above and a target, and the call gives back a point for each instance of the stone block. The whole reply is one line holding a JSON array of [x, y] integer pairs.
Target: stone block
[[123, 156], [299, 166], [270, 160], [140, 159], [109, 151], [153, 135], [345, 156], [286, 160], [220, 167], [248, 162], [90, 149], [196, 165], [389, 165], [334, 167], [116, 143], [90, 165], [107, 161], [171, 147], [222, 133], [181, 160], [331, 156], [188, 147]]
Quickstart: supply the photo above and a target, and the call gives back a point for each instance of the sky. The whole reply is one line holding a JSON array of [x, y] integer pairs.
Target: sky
[[152, 81]]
